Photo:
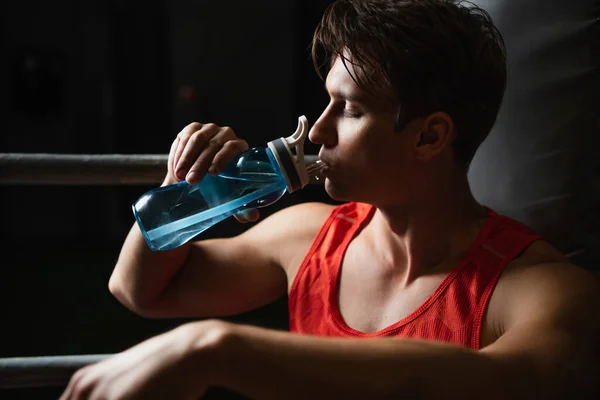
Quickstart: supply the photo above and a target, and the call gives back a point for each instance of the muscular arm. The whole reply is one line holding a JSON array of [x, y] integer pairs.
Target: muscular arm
[[549, 350], [216, 277]]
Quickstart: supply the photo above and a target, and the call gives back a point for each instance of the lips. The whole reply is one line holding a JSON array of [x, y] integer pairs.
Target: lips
[[326, 167], [325, 164], [325, 160]]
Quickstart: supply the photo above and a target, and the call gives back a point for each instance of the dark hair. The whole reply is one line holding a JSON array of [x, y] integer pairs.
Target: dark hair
[[435, 55]]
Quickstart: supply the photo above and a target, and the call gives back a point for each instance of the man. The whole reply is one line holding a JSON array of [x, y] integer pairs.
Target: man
[[409, 289]]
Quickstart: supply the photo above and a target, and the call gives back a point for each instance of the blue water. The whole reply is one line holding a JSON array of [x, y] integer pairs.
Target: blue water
[[171, 216]]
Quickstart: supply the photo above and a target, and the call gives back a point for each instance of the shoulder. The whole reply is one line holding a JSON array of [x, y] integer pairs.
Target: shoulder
[[540, 260], [542, 283], [288, 234], [544, 312], [305, 218]]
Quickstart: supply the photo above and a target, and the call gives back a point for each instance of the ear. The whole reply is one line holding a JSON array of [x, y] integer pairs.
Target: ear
[[436, 135]]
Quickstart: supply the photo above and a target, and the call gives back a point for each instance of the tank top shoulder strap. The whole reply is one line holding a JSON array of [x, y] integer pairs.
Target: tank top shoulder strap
[[505, 240], [334, 235]]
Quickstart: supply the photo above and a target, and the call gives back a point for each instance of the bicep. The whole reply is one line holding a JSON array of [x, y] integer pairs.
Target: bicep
[[222, 277], [229, 276], [551, 336]]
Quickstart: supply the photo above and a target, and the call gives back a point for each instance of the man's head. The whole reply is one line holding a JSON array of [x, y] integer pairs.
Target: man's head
[[424, 58], [434, 55]]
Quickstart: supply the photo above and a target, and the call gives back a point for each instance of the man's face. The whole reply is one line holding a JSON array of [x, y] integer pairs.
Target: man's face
[[366, 159]]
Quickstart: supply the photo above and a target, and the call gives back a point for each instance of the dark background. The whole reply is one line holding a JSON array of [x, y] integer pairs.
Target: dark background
[[100, 76], [126, 76]]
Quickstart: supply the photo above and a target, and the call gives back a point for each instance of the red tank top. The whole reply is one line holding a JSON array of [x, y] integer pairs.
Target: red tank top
[[453, 313]]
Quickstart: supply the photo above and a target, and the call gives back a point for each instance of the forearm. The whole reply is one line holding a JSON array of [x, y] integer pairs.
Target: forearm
[[266, 364], [141, 274]]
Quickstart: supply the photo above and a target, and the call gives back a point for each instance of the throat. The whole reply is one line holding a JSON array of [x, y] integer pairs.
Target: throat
[[421, 243]]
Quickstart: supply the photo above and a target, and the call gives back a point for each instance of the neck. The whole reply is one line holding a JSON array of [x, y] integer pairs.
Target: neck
[[433, 232]]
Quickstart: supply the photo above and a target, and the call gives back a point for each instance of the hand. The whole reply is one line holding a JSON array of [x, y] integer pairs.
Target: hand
[[204, 148], [200, 149], [175, 365]]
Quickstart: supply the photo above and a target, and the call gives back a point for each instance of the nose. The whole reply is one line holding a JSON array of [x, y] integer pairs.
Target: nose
[[324, 130]]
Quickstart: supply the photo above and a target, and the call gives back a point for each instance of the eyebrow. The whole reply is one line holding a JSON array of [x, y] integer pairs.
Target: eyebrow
[[352, 97]]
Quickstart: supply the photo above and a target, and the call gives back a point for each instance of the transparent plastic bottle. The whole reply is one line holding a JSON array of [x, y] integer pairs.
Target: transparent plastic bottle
[[172, 215]]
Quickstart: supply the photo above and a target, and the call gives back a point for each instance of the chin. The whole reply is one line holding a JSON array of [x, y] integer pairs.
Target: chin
[[338, 193], [352, 193]]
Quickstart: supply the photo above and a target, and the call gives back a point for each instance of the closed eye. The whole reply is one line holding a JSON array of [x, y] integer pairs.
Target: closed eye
[[346, 109], [352, 112]]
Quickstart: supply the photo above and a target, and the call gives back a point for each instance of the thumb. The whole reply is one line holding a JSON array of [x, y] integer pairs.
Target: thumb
[[249, 215]]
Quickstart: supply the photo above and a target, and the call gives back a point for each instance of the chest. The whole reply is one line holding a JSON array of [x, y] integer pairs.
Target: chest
[[372, 297]]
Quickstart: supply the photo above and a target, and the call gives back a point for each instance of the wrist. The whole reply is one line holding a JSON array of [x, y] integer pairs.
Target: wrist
[[214, 350]]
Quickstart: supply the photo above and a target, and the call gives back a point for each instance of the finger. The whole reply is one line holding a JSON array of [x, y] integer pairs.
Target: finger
[[73, 382], [172, 150], [170, 178], [187, 131], [230, 149], [182, 138], [250, 215], [66, 395], [217, 142], [200, 166], [194, 146], [240, 219], [84, 388]]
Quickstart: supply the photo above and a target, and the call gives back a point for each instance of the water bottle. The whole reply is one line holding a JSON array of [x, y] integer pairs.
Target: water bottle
[[172, 215]]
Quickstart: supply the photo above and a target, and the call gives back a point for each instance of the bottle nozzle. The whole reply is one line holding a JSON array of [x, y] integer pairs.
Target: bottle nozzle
[[315, 167], [289, 154], [314, 172]]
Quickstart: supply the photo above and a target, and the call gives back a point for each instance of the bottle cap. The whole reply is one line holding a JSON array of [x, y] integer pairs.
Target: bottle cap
[[289, 154]]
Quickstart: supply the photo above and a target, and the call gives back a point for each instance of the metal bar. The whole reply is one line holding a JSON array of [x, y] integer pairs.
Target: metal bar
[[27, 372], [82, 169], [86, 169]]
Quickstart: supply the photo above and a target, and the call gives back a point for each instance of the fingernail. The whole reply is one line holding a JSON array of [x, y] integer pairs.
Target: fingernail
[[191, 176], [246, 214], [180, 174]]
